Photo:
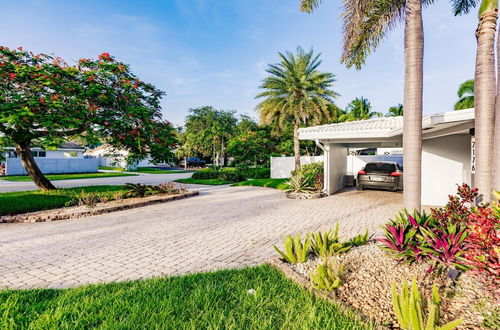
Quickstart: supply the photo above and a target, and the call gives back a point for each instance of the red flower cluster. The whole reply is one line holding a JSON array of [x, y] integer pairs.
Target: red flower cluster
[[105, 57], [12, 76]]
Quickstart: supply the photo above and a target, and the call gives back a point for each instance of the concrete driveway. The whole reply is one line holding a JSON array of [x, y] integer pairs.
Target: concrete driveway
[[119, 180], [223, 227]]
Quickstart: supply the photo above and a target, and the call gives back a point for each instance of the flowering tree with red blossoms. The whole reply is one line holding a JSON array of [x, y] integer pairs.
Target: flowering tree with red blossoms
[[44, 101]]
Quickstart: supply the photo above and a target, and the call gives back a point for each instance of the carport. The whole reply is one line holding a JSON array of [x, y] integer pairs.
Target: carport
[[446, 149]]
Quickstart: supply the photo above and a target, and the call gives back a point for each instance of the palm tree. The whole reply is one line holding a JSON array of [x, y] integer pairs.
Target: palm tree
[[366, 22], [295, 93], [359, 109], [485, 91], [465, 95], [395, 111]]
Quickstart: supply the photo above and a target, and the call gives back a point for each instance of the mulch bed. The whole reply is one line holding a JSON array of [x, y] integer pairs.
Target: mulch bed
[[370, 273], [100, 208]]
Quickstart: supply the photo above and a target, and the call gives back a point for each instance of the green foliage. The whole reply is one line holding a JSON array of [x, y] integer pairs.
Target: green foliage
[[359, 109], [224, 175], [359, 240], [299, 184], [251, 148], [295, 251], [465, 95], [313, 172], [255, 173], [271, 183], [395, 111], [409, 309], [327, 244], [139, 190], [328, 275], [210, 182]]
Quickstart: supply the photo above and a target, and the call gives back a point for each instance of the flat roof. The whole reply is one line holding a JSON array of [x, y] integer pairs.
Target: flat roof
[[452, 122]]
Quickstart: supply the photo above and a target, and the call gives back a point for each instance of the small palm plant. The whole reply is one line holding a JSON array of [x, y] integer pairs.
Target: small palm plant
[[408, 308], [299, 184], [328, 275], [295, 250]]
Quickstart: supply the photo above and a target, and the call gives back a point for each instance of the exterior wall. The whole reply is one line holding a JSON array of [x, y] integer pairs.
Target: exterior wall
[[54, 165], [445, 163], [281, 167], [336, 167]]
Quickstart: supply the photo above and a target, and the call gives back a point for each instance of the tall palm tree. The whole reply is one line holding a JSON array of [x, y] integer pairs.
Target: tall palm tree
[[486, 90], [395, 111], [366, 22], [295, 93], [465, 95], [359, 109]]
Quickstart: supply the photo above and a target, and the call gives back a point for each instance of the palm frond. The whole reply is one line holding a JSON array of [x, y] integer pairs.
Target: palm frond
[[308, 6], [463, 6]]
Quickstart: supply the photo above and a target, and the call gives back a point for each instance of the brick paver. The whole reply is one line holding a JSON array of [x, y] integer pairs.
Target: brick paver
[[224, 227]]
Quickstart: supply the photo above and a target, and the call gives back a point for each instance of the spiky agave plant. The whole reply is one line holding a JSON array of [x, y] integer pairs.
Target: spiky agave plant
[[326, 244], [409, 309], [295, 251], [299, 184], [359, 240]]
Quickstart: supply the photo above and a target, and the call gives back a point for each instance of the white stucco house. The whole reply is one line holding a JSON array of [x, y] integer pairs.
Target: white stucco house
[[107, 155], [447, 149]]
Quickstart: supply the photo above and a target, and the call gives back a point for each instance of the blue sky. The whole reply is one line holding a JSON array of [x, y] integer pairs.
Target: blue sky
[[214, 52]]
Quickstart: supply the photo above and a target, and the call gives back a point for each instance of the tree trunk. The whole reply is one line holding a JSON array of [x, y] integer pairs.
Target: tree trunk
[[496, 137], [24, 152], [484, 100], [185, 163], [412, 118], [296, 144]]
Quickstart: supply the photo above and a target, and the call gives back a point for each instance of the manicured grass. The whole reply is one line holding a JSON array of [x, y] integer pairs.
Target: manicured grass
[[152, 170], [111, 168], [37, 200], [270, 183], [219, 300], [55, 177], [211, 182]]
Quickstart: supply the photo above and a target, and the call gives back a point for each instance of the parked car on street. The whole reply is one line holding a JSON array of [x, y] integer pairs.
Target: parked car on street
[[193, 162], [382, 175]]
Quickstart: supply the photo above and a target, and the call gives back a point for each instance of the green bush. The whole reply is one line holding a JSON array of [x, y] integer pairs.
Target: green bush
[[314, 173], [225, 175], [255, 173]]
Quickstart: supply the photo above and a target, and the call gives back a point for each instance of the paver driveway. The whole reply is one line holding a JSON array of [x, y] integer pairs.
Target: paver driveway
[[223, 227]]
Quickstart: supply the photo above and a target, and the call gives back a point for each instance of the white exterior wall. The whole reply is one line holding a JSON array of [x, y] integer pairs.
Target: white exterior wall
[[60, 154], [281, 167], [54, 165], [445, 163], [336, 167]]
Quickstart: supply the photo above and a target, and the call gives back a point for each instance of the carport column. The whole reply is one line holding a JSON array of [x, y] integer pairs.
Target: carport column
[[336, 160]]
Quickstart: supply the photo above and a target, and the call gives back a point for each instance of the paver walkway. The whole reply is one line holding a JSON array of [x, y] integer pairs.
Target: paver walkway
[[223, 227]]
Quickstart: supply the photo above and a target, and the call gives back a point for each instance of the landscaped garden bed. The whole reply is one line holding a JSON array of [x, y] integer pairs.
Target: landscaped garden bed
[[428, 270], [93, 201]]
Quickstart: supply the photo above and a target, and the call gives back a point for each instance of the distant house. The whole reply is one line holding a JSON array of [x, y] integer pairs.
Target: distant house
[[68, 158], [107, 155]]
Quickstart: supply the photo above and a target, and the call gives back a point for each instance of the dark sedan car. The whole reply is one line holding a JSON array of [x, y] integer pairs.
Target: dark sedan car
[[382, 175], [193, 162]]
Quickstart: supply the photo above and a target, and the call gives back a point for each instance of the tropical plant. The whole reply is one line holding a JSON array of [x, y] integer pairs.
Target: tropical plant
[[410, 309], [458, 208], [299, 184], [485, 91], [328, 275], [139, 190], [296, 92], [326, 244], [88, 199], [45, 101], [359, 109], [465, 95], [251, 147], [314, 172], [395, 111], [359, 240], [366, 23], [295, 251]]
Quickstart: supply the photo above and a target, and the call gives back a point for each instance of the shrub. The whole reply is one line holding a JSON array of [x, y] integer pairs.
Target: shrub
[[295, 250], [88, 199], [458, 208], [328, 275], [225, 175], [139, 190], [313, 172], [255, 173], [299, 184], [359, 240], [326, 244], [409, 309]]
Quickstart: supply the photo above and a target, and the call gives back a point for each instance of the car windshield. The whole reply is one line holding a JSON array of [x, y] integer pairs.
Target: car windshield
[[380, 168]]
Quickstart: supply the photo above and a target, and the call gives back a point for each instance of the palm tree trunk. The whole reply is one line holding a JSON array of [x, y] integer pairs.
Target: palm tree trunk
[[484, 98], [24, 152], [412, 118], [496, 137], [185, 163], [296, 144]]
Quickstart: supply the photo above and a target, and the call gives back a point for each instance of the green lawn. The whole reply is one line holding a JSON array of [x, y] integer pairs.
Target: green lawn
[[211, 182], [152, 170], [55, 177], [270, 183], [37, 200], [111, 168], [219, 300]]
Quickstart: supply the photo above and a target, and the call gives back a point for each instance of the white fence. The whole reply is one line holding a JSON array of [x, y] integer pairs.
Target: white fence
[[54, 165], [281, 167]]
